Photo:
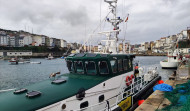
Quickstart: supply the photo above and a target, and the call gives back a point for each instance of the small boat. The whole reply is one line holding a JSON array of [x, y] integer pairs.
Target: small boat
[[14, 61], [172, 61], [54, 74], [62, 57], [35, 62], [1, 57], [50, 57]]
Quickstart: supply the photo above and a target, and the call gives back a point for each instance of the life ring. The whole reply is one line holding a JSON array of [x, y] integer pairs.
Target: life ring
[[132, 76], [128, 81]]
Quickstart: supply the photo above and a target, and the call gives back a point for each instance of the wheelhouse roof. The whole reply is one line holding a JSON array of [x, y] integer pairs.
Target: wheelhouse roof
[[99, 56]]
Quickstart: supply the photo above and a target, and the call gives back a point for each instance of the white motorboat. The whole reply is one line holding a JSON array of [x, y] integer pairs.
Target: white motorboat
[[172, 61], [35, 62], [50, 57], [14, 61]]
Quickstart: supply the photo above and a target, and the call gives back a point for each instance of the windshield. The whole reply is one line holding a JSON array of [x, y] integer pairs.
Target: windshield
[[113, 66], [103, 67], [79, 67], [70, 66], [90, 67]]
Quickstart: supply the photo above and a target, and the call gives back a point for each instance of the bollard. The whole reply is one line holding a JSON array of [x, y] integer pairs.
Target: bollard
[[175, 73]]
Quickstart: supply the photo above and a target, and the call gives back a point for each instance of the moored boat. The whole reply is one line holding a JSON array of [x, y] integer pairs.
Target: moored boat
[[14, 61], [50, 57], [172, 61], [102, 81]]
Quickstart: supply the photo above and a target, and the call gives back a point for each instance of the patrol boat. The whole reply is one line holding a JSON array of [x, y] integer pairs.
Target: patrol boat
[[103, 81]]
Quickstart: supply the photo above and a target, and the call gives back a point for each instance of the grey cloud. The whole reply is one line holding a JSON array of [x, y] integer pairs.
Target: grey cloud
[[76, 16], [148, 20]]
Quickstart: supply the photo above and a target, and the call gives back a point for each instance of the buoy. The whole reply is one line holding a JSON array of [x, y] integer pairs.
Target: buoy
[[160, 82], [128, 80], [140, 102]]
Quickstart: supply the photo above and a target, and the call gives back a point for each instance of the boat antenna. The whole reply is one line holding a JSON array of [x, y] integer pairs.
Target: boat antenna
[[115, 21]]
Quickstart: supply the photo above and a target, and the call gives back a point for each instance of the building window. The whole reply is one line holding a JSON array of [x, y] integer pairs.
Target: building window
[[103, 67]]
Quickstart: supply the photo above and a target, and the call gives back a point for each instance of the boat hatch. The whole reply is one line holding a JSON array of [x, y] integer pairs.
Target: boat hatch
[[80, 55], [71, 55], [58, 81], [91, 55], [103, 55], [33, 94], [19, 91]]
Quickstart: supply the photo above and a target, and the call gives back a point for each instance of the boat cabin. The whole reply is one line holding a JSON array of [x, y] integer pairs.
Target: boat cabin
[[99, 64]]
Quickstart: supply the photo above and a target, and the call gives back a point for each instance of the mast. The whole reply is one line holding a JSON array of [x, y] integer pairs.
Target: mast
[[116, 20], [112, 45]]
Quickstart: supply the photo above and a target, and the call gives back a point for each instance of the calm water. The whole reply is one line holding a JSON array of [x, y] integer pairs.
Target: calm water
[[12, 76]]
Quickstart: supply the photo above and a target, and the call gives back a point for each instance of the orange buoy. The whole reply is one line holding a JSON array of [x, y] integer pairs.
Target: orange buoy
[[160, 82], [140, 102]]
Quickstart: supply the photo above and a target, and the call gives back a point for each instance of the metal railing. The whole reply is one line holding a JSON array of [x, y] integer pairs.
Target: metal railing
[[137, 85]]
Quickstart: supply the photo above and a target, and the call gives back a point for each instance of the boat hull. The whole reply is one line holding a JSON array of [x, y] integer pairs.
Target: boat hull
[[168, 65]]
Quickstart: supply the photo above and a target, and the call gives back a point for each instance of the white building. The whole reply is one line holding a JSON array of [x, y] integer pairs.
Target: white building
[[37, 40], [27, 40], [3, 40], [184, 50], [12, 39], [19, 53], [21, 41], [43, 40], [142, 48], [51, 42], [63, 43]]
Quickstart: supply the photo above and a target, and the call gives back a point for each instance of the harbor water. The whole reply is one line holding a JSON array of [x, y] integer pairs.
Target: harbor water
[[14, 76]]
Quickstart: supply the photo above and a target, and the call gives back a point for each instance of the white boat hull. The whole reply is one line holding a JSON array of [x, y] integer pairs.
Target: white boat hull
[[166, 64]]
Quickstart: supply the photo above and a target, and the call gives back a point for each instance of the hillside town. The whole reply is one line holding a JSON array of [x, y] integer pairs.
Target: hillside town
[[21, 38]]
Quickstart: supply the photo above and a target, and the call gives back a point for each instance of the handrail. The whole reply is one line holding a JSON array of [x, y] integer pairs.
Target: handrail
[[133, 87]]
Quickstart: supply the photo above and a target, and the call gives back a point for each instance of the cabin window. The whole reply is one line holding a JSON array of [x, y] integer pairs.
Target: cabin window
[[113, 65], [130, 63], [125, 63], [101, 98], [103, 67], [90, 67], [84, 105], [79, 67], [120, 65], [70, 66]]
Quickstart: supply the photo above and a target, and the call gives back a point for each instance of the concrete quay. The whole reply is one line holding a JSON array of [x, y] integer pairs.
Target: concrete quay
[[156, 100]]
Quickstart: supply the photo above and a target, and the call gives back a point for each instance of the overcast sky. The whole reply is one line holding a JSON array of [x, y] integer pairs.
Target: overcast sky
[[74, 20]]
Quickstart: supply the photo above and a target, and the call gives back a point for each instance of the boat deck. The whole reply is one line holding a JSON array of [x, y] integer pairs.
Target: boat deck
[[50, 93]]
